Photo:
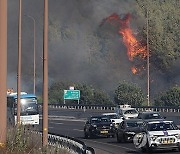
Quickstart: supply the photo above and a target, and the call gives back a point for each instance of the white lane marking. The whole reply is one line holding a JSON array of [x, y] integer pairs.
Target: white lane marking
[[68, 117], [64, 118], [79, 120], [58, 123], [111, 145], [80, 130], [50, 127]]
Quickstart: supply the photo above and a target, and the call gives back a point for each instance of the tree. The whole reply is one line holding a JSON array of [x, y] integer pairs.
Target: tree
[[56, 91], [164, 32], [88, 94], [169, 98], [129, 94]]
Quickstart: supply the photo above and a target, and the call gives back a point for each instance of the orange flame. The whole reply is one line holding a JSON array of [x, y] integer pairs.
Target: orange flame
[[134, 70], [134, 48]]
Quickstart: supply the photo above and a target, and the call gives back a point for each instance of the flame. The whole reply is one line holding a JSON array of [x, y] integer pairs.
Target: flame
[[134, 48], [134, 70], [137, 70]]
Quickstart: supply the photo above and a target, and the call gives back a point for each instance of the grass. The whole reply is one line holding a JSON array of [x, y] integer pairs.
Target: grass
[[24, 141]]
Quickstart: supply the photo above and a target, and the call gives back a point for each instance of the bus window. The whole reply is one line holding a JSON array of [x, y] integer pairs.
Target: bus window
[[10, 102]]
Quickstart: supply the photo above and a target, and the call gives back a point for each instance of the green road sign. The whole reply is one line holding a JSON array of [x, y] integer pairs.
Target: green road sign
[[72, 94]]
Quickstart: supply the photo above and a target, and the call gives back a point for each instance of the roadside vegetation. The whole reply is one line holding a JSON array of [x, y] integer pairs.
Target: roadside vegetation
[[125, 93], [89, 94], [169, 98], [129, 94], [25, 141]]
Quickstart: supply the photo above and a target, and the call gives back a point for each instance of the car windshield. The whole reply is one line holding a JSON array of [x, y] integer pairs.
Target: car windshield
[[134, 124], [113, 116], [152, 116], [161, 126], [131, 111], [99, 119]]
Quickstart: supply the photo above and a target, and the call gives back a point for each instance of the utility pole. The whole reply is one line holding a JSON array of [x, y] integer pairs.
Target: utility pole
[[3, 72], [45, 75], [148, 68], [19, 65]]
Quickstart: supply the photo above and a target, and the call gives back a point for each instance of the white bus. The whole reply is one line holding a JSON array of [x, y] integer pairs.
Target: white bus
[[29, 114]]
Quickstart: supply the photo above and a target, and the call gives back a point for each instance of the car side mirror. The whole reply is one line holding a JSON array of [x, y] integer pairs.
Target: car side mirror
[[164, 117]]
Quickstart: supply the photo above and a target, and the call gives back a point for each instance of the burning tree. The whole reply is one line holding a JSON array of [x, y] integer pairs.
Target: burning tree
[[134, 47]]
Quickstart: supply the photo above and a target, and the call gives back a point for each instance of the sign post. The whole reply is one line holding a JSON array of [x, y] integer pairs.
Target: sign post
[[72, 95]]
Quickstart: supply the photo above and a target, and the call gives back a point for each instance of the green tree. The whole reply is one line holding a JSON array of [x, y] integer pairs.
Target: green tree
[[56, 91], [129, 94], [88, 94], [169, 98], [164, 31]]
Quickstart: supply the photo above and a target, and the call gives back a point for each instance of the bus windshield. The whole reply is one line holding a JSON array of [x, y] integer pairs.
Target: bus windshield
[[28, 106]]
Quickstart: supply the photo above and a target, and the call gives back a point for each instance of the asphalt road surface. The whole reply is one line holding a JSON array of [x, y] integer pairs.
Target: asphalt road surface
[[70, 122]]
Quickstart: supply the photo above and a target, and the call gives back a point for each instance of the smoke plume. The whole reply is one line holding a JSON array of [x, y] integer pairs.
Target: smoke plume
[[79, 49]]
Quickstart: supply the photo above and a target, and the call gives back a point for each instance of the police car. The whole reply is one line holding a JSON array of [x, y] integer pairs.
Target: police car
[[126, 111], [161, 135]]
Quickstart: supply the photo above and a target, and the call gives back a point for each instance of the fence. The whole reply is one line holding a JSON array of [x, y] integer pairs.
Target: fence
[[108, 107]]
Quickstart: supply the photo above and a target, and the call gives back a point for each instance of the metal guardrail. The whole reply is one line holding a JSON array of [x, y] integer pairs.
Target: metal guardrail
[[111, 107], [72, 144]]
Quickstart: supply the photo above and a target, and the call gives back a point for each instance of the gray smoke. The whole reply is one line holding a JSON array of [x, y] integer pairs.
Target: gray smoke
[[79, 49]]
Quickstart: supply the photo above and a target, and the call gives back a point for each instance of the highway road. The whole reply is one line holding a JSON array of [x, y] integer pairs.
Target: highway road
[[70, 122]]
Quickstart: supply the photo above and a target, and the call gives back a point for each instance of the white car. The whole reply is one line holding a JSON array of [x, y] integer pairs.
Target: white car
[[127, 111], [161, 135], [115, 118]]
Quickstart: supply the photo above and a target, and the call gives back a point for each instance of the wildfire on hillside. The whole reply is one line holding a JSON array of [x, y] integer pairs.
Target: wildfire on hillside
[[134, 48]]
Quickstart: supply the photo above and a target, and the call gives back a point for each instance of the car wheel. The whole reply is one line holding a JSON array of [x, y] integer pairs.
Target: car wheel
[[143, 149], [85, 135], [179, 149], [148, 149], [118, 139], [91, 135], [125, 139]]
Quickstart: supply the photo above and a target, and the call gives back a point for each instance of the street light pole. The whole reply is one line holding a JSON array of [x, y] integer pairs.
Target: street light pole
[[148, 66], [45, 75], [19, 65], [3, 72], [34, 54]]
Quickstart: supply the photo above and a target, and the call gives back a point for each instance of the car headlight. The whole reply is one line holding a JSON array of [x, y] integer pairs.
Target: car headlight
[[111, 125], [153, 138], [177, 136], [95, 126]]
